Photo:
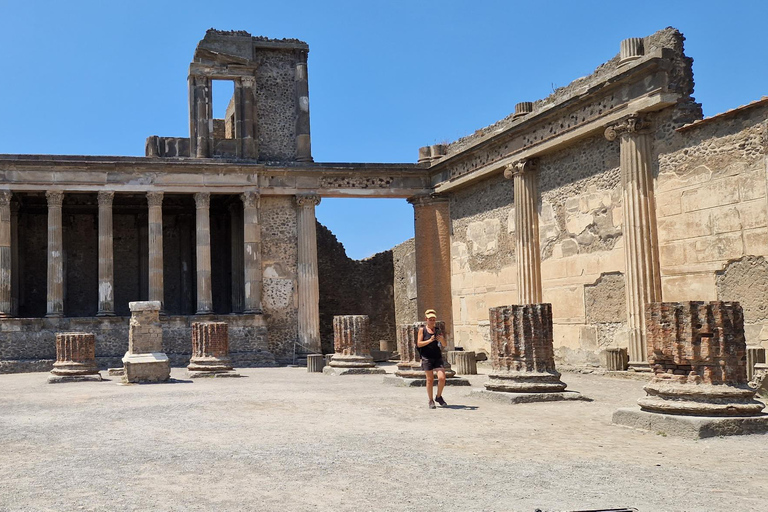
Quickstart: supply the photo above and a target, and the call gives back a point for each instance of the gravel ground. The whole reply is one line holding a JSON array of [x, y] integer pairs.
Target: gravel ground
[[284, 439]]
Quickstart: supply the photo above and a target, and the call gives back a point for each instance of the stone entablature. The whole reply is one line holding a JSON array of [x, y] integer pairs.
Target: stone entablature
[[641, 86], [131, 174]]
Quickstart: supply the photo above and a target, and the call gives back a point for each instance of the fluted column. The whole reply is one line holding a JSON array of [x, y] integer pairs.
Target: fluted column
[[106, 261], [432, 225], [15, 262], [309, 287], [245, 130], [200, 113], [527, 231], [236, 259], [155, 247], [203, 239], [252, 253], [55, 288], [641, 247], [6, 259]]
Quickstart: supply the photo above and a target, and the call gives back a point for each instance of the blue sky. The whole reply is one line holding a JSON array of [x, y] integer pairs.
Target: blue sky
[[97, 78]]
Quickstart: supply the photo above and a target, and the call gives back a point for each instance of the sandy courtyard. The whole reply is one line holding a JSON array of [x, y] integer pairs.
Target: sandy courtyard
[[284, 439]]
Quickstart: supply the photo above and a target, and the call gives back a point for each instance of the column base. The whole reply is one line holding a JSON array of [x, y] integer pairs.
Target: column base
[[410, 382], [330, 370], [524, 398], [105, 313], [691, 427], [640, 366], [58, 379]]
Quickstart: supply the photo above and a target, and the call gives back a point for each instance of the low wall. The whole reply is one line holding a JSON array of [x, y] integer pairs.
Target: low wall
[[29, 344]]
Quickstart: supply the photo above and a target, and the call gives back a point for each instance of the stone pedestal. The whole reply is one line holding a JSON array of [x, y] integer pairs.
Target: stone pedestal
[[75, 358], [210, 351], [352, 354], [409, 372], [698, 355], [315, 363], [522, 355], [145, 360]]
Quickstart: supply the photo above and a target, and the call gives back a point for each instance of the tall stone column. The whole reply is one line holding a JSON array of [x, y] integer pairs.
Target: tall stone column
[[527, 231], [106, 260], [55, 291], [245, 131], [15, 262], [252, 255], [309, 287], [6, 259], [236, 250], [303, 140], [641, 245], [203, 239], [432, 223], [200, 116], [155, 247]]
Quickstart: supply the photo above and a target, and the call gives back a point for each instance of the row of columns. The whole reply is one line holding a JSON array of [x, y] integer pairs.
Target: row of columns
[[643, 275], [250, 253]]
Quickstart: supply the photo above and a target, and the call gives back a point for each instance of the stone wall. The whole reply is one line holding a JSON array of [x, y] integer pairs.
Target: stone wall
[[276, 104], [279, 253], [405, 284], [354, 287], [29, 344], [713, 216]]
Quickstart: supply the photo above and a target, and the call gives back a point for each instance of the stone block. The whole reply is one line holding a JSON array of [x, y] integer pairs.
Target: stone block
[[679, 288], [727, 246], [691, 427], [713, 194], [146, 368], [523, 398]]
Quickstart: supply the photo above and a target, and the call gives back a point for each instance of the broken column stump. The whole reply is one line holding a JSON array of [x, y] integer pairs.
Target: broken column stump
[[352, 349], [210, 351], [697, 351], [145, 360], [523, 357], [315, 363], [75, 358], [465, 362], [616, 359], [409, 372]]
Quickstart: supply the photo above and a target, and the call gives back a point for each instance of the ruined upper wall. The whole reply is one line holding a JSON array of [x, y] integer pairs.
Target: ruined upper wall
[[682, 83]]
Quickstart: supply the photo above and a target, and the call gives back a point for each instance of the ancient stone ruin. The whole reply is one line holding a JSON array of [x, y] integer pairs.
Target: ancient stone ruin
[[522, 356], [699, 388], [352, 353], [210, 351], [75, 358], [145, 361]]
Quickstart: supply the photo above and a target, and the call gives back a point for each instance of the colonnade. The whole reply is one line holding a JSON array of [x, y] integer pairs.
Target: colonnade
[[247, 261], [643, 276]]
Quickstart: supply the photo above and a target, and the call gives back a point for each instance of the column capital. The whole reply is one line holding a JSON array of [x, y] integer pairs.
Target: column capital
[[105, 197], [248, 81], [630, 125], [529, 165], [199, 80], [250, 199], [5, 197], [55, 198], [202, 200], [154, 199], [307, 200], [427, 199]]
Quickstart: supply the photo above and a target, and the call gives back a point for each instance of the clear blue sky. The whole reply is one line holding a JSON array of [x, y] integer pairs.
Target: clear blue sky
[[97, 78]]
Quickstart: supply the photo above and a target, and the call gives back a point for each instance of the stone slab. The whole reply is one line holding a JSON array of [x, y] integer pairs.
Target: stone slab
[[406, 382], [116, 372], [330, 370], [691, 427], [58, 379], [212, 375], [145, 368], [524, 398]]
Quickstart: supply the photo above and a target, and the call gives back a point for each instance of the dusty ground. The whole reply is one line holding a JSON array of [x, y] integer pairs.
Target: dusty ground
[[283, 439]]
